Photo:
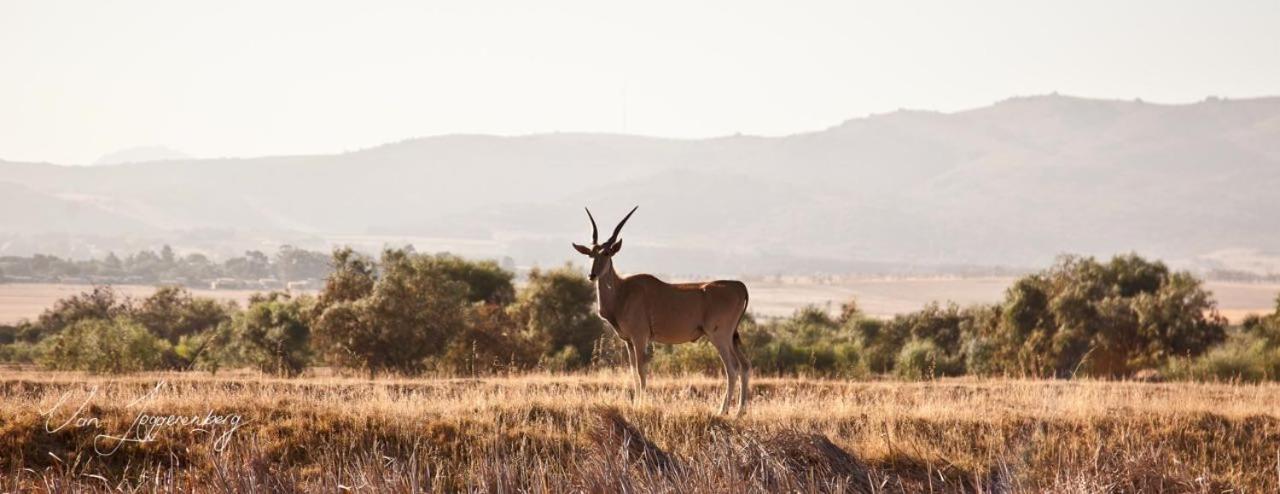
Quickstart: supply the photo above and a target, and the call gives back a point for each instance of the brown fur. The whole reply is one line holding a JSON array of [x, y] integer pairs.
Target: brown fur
[[643, 309]]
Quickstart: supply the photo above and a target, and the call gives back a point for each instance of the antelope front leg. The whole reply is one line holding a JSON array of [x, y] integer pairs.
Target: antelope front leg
[[631, 363], [642, 364], [638, 356]]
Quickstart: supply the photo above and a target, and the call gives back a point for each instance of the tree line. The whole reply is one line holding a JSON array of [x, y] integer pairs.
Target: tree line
[[408, 313], [147, 266], [1122, 318]]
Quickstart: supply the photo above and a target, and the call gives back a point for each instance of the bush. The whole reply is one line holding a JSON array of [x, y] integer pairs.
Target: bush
[[1265, 327], [173, 313], [916, 359], [486, 281], [20, 352], [567, 359], [275, 333], [775, 358], [490, 342], [393, 321], [100, 346], [1104, 319], [694, 358], [1245, 357], [880, 342], [848, 361], [981, 357], [557, 308], [101, 303], [923, 359]]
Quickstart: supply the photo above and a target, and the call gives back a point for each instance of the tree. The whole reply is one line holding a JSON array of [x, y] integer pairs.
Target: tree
[[184, 321], [849, 312], [253, 265], [103, 302], [486, 281], [490, 341], [352, 278], [1266, 327], [1105, 319], [393, 321], [111, 265], [166, 255], [880, 342], [297, 264], [936, 331], [275, 332], [172, 313], [557, 307]]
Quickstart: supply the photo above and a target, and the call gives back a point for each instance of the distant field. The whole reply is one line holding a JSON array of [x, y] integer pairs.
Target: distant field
[[878, 297], [886, 297], [28, 300]]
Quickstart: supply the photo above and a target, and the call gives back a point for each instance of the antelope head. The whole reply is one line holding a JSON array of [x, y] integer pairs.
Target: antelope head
[[601, 254]]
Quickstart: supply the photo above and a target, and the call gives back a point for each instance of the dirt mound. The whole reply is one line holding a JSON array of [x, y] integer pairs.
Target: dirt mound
[[795, 460], [614, 434], [805, 453]]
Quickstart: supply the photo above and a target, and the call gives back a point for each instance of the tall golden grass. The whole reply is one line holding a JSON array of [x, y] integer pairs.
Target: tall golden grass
[[549, 433]]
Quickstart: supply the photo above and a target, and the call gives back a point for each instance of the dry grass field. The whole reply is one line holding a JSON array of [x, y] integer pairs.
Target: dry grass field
[[548, 433]]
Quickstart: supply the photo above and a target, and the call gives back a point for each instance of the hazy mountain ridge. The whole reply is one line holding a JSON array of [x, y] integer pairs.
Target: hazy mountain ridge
[[1013, 183], [141, 154]]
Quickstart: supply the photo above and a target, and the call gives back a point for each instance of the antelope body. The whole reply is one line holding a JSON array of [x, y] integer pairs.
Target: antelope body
[[641, 308]]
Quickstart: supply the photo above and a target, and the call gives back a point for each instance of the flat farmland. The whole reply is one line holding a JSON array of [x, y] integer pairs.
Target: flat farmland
[[887, 297], [27, 300], [877, 297]]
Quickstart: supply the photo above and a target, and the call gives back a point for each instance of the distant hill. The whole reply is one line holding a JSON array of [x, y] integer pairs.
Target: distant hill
[[1014, 183], [141, 154]]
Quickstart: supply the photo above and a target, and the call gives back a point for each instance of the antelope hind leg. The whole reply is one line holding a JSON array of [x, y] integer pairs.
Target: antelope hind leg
[[730, 372], [744, 373]]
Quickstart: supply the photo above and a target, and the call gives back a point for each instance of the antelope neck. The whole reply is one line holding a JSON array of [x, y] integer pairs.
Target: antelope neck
[[607, 291]]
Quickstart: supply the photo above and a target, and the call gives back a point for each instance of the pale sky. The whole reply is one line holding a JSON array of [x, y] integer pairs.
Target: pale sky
[[220, 78]]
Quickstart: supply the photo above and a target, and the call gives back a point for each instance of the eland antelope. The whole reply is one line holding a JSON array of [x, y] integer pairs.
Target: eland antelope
[[641, 308]]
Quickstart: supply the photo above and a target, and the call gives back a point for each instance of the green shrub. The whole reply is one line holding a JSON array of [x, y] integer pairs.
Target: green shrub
[[557, 309], [981, 356], [880, 342], [776, 358], [19, 352], [393, 320], [1245, 357], [275, 332], [1107, 319], [696, 358], [567, 359], [848, 361], [102, 346], [923, 359]]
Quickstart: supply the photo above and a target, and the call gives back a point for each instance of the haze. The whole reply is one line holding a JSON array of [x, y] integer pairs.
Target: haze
[[217, 79]]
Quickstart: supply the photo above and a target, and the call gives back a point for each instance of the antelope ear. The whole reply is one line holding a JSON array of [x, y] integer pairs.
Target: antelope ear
[[582, 249], [617, 246]]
